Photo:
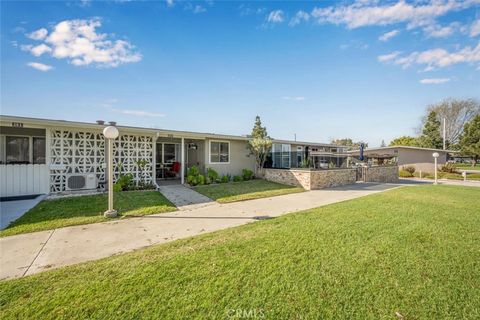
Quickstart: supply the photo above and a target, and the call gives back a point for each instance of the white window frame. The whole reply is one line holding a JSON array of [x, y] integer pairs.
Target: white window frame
[[210, 151]]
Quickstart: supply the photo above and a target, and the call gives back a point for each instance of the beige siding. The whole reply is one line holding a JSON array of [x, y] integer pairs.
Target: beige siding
[[240, 158], [420, 159]]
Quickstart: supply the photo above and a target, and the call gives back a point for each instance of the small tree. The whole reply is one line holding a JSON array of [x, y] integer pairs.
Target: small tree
[[430, 137], [470, 139], [404, 141], [383, 144], [259, 145]]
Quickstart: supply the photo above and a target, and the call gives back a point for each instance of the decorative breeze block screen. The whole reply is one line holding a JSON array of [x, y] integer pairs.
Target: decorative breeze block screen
[[82, 152]]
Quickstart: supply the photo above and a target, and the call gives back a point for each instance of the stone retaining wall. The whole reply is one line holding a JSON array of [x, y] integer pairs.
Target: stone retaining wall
[[311, 179], [385, 174], [319, 179], [292, 177]]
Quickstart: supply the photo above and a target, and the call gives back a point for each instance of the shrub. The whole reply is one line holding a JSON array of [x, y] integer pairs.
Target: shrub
[[124, 182], [449, 168], [212, 175], [409, 169], [226, 178], [247, 174], [237, 178], [193, 176], [201, 179], [405, 174]]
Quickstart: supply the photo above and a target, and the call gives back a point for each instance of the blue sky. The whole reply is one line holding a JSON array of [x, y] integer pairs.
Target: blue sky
[[320, 70]]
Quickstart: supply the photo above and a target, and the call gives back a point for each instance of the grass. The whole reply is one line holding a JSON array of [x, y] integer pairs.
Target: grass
[[245, 190], [466, 166], [446, 175], [51, 214], [412, 250]]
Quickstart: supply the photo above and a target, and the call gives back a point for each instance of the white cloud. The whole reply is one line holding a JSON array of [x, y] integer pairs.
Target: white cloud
[[299, 98], [435, 58], [170, 3], [434, 80], [298, 18], [437, 31], [139, 113], [195, 9], [40, 49], [388, 57], [39, 66], [39, 34], [389, 35], [79, 43], [275, 16], [475, 28], [199, 9], [368, 13]]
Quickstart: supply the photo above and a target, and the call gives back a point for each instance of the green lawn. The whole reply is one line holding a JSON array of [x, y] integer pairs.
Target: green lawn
[[450, 176], [413, 250], [246, 190], [467, 166], [51, 214]]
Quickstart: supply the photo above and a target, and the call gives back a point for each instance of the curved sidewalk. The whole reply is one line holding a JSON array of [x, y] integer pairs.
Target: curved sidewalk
[[31, 253]]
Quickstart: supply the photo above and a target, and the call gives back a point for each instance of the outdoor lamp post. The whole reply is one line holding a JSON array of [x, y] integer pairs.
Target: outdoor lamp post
[[435, 156], [110, 133]]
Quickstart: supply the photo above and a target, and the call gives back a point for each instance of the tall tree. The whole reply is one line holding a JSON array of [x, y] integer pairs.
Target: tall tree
[[430, 137], [405, 141], [259, 145], [456, 112], [470, 139]]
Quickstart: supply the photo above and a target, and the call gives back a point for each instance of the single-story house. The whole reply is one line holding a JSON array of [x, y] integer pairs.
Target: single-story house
[[420, 158], [42, 156]]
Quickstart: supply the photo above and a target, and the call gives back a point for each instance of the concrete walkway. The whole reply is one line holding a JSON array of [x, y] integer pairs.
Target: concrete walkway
[[12, 210], [35, 252], [185, 198]]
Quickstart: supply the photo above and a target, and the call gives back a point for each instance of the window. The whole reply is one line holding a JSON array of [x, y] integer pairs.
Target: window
[[38, 150], [168, 152], [17, 150], [299, 155], [281, 155], [219, 152]]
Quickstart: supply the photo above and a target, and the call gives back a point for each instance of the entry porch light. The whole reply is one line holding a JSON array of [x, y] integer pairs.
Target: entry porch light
[[110, 133]]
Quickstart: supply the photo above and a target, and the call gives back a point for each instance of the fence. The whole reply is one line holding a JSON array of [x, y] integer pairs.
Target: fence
[[23, 179]]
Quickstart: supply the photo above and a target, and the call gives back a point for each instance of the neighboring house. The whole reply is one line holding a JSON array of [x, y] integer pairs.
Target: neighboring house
[[291, 154], [39, 156], [420, 158]]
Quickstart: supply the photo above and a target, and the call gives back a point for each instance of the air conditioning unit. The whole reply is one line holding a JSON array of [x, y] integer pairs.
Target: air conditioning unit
[[81, 182]]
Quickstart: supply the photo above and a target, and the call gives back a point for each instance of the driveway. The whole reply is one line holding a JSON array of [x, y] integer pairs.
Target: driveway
[[36, 252]]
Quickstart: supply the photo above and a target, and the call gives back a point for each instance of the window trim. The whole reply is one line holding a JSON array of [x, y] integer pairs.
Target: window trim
[[210, 151]]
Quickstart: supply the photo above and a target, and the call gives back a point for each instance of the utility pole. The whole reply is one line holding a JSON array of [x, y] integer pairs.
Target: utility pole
[[295, 135], [444, 133]]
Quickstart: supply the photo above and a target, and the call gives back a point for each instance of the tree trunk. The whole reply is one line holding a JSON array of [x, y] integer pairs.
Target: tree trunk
[[475, 160]]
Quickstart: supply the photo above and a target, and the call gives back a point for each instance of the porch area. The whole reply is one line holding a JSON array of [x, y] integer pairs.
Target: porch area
[[174, 156]]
